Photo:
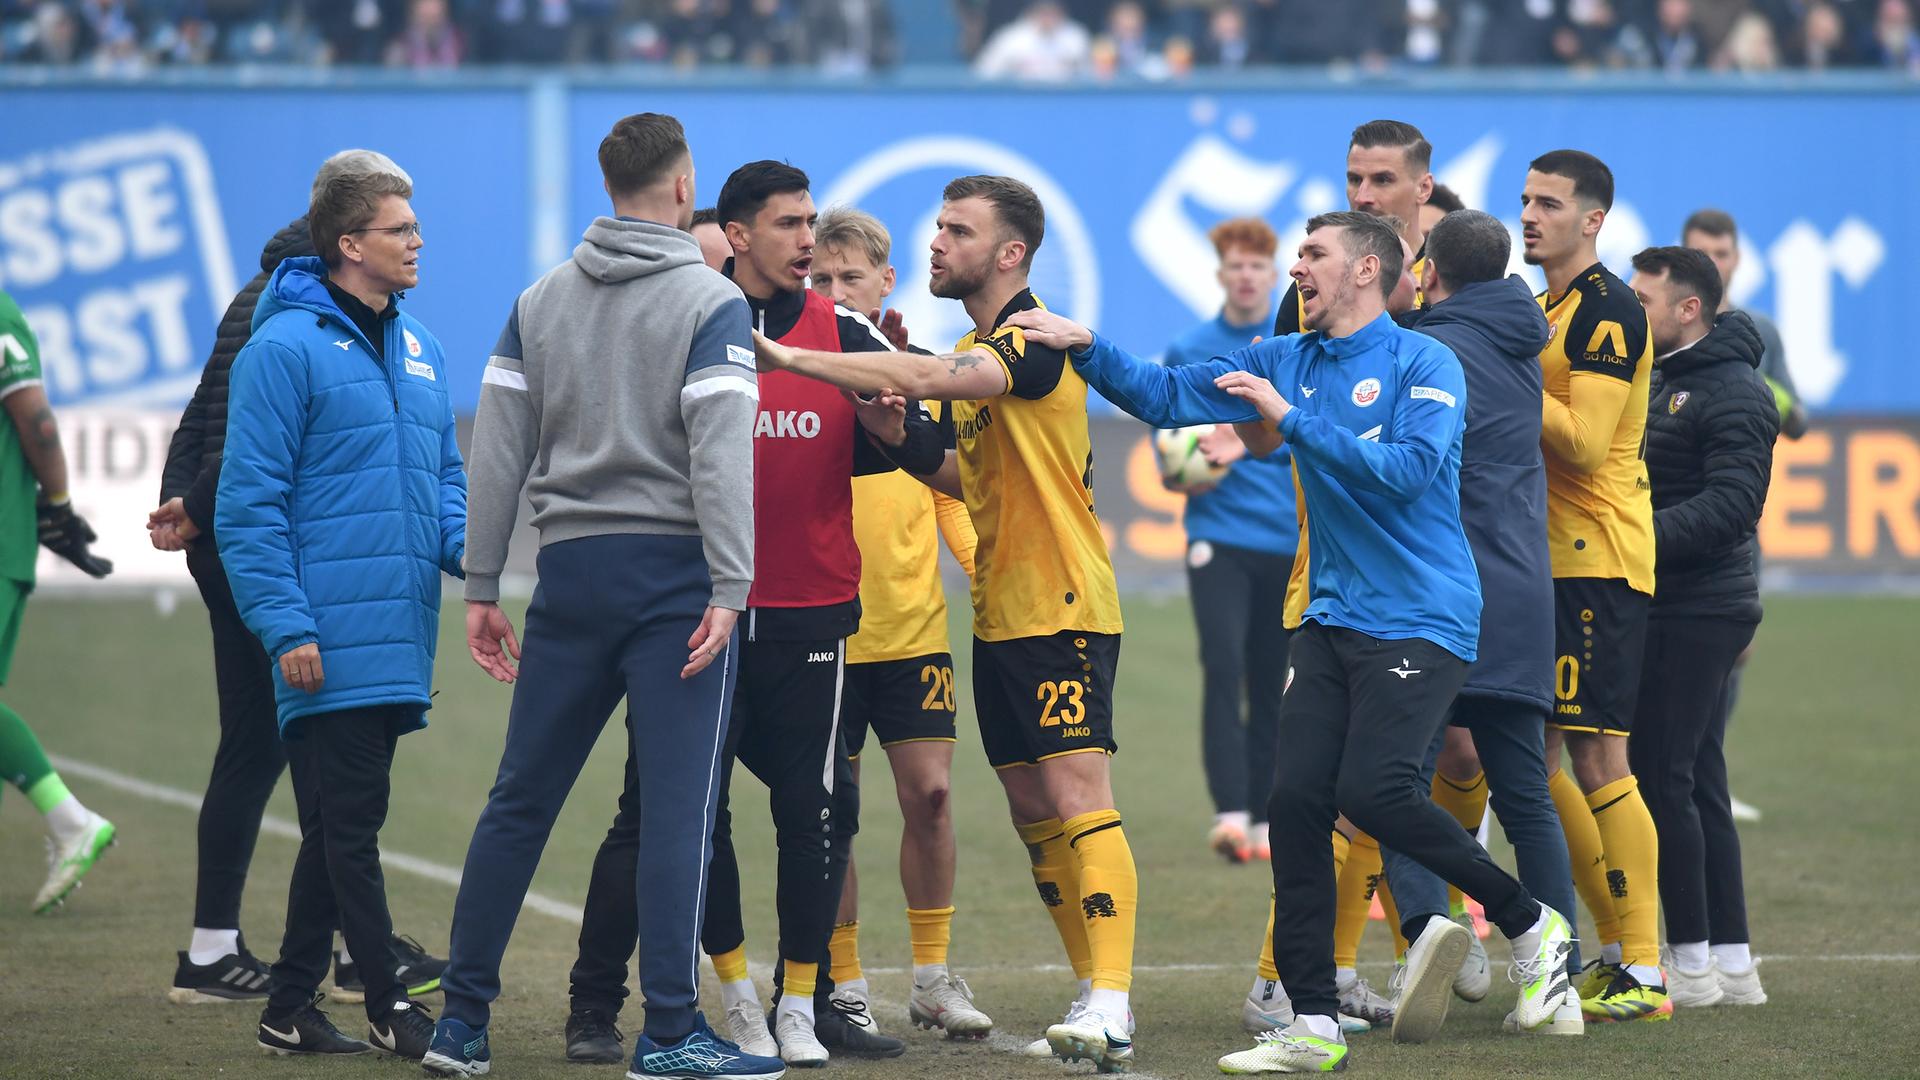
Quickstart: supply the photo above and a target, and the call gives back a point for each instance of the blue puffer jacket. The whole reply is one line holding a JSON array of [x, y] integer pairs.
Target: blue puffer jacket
[[342, 497]]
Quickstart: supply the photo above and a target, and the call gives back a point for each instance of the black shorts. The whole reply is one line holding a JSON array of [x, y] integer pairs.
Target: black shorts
[[1600, 636], [1041, 697], [903, 701]]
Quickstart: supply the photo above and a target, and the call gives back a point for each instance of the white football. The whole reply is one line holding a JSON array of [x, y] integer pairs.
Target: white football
[[1181, 461]]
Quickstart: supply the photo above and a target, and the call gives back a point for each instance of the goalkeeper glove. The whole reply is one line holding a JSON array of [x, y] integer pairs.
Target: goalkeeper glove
[[67, 535]]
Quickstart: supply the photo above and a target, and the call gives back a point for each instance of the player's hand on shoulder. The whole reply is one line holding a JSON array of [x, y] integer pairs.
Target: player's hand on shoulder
[[1051, 329]]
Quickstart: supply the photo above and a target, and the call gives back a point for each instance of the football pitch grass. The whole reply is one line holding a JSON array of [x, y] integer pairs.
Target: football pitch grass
[[1824, 743]]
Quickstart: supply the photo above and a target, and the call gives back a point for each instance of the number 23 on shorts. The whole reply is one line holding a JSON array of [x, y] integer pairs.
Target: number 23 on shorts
[[1062, 702]]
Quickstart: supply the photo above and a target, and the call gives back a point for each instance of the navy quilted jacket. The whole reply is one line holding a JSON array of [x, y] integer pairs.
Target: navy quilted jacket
[[342, 497]]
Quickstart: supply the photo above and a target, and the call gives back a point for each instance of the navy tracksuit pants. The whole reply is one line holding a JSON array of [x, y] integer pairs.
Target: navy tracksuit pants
[[610, 619]]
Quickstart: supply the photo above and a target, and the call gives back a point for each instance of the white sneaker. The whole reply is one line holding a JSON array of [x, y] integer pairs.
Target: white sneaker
[[799, 1046], [1566, 1021], [947, 1003], [1741, 989], [1433, 966], [1475, 980], [1540, 968], [69, 861], [1743, 811], [1091, 1035], [747, 1028], [1360, 1000], [856, 1007], [1294, 1049], [1691, 989]]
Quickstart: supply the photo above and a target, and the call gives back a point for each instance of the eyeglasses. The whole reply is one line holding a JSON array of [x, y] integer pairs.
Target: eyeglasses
[[405, 232]]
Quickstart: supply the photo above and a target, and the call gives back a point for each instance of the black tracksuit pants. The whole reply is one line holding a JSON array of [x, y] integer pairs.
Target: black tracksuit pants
[[249, 758], [1360, 713], [1236, 594], [340, 769], [1678, 752], [786, 729]]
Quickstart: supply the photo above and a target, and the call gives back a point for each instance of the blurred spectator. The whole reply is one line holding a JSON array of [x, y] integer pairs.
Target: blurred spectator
[[1672, 43], [1822, 38], [430, 40], [1227, 43], [1750, 46], [1176, 59], [1127, 29], [851, 37], [1313, 32], [525, 31], [1426, 31], [1896, 42], [1042, 45]]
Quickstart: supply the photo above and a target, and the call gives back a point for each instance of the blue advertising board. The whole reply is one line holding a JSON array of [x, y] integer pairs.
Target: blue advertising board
[[128, 215]]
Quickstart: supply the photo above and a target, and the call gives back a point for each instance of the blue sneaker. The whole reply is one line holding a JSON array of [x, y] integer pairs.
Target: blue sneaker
[[701, 1055], [457, 1050]]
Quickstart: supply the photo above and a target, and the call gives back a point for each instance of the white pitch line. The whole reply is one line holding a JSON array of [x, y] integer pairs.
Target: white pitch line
[[278, 826], [571, 913]]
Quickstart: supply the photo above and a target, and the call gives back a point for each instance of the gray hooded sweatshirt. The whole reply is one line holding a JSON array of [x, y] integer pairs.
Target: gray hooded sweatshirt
[[621, 397]]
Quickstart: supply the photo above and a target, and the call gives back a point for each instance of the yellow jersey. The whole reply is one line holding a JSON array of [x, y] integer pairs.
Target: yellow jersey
[[903, 608], [1600, 524], [1026, 469]]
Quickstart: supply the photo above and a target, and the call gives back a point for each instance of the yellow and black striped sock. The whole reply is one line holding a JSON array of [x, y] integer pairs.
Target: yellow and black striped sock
[[1633, 868], [1056, 874], [1587, 853], [1109, 895]]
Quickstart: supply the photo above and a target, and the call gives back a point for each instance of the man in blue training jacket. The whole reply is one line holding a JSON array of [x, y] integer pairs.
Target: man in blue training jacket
[[1393, 621], [341, 501]]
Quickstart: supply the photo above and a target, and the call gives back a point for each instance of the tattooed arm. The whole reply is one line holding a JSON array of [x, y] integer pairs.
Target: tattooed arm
[[39, 437], [962, 376]]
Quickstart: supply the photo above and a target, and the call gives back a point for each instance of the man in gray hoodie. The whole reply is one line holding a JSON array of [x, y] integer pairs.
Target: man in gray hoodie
[[622, 396]]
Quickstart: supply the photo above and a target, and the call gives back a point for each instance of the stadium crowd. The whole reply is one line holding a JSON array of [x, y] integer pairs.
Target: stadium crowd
[[1045, 40]]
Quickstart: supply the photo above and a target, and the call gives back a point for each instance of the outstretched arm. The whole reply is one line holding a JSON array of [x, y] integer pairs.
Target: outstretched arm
[[962, 376]]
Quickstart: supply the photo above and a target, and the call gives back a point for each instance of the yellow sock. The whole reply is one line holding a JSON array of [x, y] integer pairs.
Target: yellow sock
[[1266, 966], [1358, 880], [843, 952], [931, 931], [1467, 802], [799, 979], [1588, 854], [731, 965], [1341, 846], [1633, 867], [1392, 912], [1109, 895], [1056, 873]]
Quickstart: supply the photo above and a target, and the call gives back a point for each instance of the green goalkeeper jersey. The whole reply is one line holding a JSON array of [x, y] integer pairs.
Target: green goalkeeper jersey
[[19, 526]]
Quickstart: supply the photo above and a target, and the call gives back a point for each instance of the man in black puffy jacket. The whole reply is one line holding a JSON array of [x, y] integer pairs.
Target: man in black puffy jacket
[[216, 966], [1711, 425]]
